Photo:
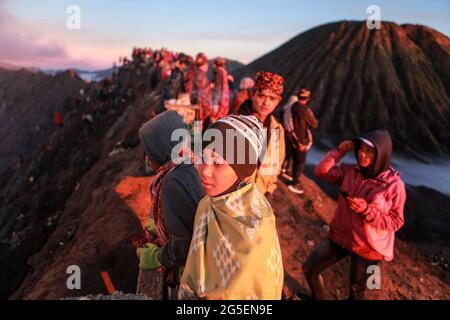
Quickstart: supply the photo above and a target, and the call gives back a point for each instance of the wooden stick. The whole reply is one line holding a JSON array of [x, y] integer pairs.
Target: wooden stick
[[108, 283]]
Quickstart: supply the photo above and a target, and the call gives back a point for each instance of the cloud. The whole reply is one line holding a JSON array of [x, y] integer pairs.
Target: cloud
[[20, 43], [22, 46]]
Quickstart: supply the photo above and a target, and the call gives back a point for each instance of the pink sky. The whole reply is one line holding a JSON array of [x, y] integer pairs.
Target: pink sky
[[29, 45], [34, 34]]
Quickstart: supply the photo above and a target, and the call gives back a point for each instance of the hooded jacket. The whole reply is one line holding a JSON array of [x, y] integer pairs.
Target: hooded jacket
[[369, 234], [181, 189], [383, 145]]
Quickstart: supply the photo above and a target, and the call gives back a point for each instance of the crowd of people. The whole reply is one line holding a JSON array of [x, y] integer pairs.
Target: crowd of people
[[211, 224], [183, 74]]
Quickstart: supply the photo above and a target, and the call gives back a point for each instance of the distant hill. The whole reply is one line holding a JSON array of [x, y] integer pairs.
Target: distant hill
[[396, 78], [88, 75], [27, 102], [12, 67]]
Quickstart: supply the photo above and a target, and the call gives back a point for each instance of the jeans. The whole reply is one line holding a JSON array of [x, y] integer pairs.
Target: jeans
[[329, 253], [295, 158]]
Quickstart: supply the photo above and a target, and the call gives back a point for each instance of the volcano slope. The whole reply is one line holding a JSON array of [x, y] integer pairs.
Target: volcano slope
[[395, 78], [27, 102], [110, 202], [33, 197]]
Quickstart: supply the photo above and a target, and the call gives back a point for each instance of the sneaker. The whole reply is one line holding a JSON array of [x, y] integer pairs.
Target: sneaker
[[296, 188], [287, 177]]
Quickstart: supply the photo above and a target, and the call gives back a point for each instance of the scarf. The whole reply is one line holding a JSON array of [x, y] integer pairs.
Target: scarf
[[235, 252], [155, 196]]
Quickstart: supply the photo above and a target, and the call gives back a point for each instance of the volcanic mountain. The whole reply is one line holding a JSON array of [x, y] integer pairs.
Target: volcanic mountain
[[397, 78], [83, 192], [27, 102]]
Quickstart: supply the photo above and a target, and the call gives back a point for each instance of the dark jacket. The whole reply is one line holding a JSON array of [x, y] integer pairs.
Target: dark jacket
[[303, 120], [181, 193]]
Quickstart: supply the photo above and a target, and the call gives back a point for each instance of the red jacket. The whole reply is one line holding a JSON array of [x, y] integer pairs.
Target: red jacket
[[369, 234], [221, 93]]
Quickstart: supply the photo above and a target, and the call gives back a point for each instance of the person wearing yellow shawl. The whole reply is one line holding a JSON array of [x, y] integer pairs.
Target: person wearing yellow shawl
[[235, 253]]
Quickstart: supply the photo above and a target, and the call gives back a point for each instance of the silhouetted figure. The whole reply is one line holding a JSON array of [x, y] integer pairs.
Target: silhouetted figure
[[58, 119], [298, 122], [221, 94]]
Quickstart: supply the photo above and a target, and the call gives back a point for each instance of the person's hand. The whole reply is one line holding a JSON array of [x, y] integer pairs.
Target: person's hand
[[358, 205], [302, 148], [151, 227], [149, 257], [346, 147]]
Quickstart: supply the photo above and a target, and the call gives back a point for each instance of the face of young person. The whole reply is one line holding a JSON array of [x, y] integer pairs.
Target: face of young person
[[303, 101], [216, 175], [204, 67], [366, 155], [265, 103], [154, 166]]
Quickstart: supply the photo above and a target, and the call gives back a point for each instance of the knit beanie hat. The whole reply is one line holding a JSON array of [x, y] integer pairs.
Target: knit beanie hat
[[240, 144]]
